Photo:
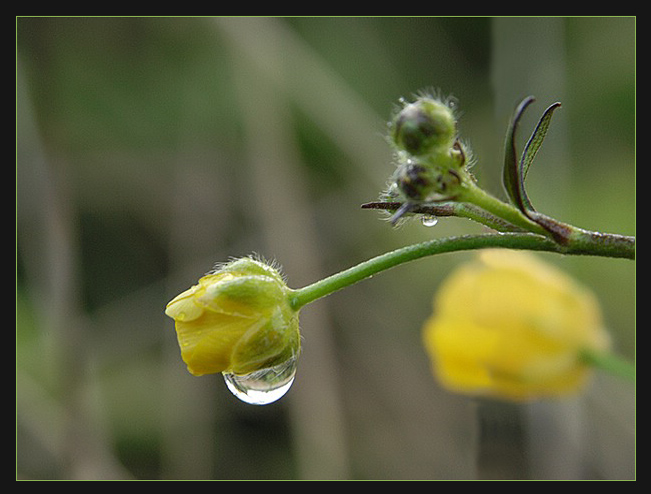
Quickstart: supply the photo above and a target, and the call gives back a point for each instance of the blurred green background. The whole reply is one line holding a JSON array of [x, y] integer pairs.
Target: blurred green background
[[149, 149]]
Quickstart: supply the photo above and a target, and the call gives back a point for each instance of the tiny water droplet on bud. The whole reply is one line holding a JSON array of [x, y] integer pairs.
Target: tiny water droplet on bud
[[429, 220]]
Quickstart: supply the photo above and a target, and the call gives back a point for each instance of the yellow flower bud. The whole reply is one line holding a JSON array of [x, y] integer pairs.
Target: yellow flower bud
[[510, 326], [236, 320]]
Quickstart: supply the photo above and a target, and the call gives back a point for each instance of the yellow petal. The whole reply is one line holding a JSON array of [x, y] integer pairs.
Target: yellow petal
[[182, 307], [207, 343]]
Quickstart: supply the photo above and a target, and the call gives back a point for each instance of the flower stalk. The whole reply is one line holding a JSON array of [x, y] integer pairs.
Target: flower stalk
[[610, 363], [473, 194], [615, 246]]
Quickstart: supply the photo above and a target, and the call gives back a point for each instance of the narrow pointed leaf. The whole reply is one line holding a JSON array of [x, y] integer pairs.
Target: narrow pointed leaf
[[530, 150], [511, 173]]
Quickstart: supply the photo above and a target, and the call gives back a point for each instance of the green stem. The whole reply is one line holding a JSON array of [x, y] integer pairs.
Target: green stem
[[573, 240], [607, 244], [477, 196], [610, 363], [521, 241]]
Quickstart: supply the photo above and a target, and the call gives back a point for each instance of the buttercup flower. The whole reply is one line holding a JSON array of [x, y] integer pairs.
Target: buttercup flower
[[510, 326], [236, 320]]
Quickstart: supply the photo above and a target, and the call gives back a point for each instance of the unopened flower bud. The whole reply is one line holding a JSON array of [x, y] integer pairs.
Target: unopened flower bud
[[236, 320], [423, 127], [419, 183]]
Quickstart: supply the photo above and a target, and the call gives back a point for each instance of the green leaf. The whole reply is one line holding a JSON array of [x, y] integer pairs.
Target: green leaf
[[530, 150], [515, 172], [511, 174]]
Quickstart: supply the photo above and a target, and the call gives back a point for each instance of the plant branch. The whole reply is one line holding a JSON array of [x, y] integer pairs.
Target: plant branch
[[521, 241]]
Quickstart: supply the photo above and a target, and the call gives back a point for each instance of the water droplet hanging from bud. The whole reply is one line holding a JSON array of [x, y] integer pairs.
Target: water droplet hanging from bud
[[263, 386]]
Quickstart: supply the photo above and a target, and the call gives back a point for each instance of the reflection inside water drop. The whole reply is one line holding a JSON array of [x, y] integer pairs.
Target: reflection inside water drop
[[263, 386], [429, 220]]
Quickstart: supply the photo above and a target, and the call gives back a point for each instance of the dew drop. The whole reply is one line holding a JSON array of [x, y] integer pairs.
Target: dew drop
[[429, 220], [263, 386]]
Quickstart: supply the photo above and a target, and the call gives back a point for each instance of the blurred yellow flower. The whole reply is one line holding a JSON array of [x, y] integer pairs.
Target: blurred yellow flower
[[509, 326], [236, 320]]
